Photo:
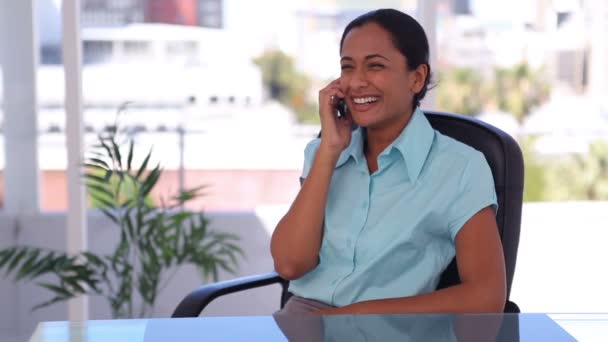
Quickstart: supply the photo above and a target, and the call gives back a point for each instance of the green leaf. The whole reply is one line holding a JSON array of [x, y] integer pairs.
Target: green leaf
[[6, 255], [154, 261], [93, 259], [179, 217], [127, 203], [188, 195], [208, 246], [92, 285], [46, 265], [122, 108], [30, 263], [108, 213], [102, 200], [16, 259], [95, 178], [95, 167], [214, 272], [54, 300], [144, 165], [105, 146], [99, 162], [150, 181], [60, 291], [62, 262], [129, 224], [75, 285], [100, 189], [117, 153], [108, 175], [97, 154], [130, 156]]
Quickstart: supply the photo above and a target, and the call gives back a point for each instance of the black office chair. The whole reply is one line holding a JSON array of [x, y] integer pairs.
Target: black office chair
[[505, 159]]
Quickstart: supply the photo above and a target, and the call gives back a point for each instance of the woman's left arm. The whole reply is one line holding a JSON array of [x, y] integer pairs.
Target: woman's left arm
[[481, 267]]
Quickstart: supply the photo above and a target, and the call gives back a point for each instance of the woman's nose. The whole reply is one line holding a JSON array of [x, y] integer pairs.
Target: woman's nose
[[358, 79]]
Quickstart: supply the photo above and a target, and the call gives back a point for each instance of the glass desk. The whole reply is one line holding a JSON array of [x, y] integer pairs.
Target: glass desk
[[507, 327]]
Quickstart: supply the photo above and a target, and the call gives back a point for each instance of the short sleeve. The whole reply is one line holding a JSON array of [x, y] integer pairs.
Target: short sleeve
[[476, 191], [309, 155]]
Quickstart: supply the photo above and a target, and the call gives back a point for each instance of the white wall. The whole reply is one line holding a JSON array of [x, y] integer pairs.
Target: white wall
[[561, 264], [563, 258]]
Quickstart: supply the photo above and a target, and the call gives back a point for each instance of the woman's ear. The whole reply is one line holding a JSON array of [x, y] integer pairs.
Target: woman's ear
[[420, 75]]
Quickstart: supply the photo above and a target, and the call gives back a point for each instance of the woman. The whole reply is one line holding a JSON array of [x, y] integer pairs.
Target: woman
[[383, 209]]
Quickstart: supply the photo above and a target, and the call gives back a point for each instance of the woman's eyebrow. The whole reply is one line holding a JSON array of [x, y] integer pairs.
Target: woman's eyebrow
[[347, 58], [376, 55]]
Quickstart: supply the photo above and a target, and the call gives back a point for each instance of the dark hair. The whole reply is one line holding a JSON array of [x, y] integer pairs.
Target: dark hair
[[407, 36]]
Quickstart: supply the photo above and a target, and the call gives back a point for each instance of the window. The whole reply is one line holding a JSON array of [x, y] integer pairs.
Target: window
[[210, 13]]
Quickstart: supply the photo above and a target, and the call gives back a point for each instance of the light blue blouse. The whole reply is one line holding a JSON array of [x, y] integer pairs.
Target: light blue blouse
[[392, 233]]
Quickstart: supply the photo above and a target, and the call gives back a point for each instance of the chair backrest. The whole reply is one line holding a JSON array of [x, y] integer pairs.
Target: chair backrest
[[506, 162]]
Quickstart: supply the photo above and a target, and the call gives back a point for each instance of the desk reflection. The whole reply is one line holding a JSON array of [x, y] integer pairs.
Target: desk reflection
[[457, 328]]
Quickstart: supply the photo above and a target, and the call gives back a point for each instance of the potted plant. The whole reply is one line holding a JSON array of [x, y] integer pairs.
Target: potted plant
[[154, 239]]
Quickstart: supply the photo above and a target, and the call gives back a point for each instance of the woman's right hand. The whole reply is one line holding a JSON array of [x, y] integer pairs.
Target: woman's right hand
[[335, 132]]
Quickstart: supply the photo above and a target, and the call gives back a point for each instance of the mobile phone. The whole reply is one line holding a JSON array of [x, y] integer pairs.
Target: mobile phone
[[341, 108]]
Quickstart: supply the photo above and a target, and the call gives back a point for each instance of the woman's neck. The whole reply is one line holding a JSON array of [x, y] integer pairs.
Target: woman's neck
[[377, 139]]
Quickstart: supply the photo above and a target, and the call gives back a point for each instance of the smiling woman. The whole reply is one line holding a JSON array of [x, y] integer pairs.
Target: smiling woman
[[384, 208]]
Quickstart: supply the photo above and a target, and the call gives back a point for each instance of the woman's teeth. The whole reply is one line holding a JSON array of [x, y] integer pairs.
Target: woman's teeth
[[365, 100]]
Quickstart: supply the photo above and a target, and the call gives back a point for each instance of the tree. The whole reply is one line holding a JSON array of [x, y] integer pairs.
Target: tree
[[535, 172], [284, 83], [582, 177], [515, 90], [460, 91], [518, 89]]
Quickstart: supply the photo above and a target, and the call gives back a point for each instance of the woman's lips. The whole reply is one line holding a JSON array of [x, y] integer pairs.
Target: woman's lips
[[363, 107]]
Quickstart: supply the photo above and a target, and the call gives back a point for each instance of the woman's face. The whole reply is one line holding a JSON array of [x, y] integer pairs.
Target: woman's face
[[378, 85]]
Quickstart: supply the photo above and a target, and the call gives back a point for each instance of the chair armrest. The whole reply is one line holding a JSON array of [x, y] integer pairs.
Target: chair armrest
[[197, 300], [511, 307]]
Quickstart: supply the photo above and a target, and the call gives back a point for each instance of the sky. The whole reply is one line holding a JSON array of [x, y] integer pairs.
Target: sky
[[264, 17], [268, 15], [490, 10], [274, 20]]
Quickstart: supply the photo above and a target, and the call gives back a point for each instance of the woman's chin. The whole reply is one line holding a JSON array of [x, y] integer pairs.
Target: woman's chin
[[361, 120], [365, 122], [367, 119]]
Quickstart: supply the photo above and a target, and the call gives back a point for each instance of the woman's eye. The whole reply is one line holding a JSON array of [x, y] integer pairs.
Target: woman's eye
[[346, 67], [376, 66]]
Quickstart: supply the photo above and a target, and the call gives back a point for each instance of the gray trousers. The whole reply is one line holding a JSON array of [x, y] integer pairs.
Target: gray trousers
[[296, 321], [298, 305]]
